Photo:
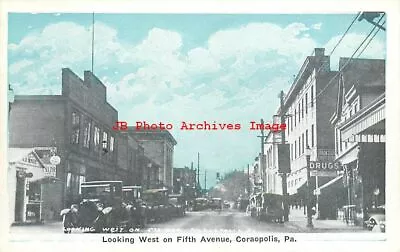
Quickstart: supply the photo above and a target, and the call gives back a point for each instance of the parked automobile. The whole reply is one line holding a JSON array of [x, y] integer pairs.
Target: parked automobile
[[100, 209], [270, 208], [178, 204], [132, 196], [158, 208], [200, 204], [226, 204], [215, 204], [376, 219]]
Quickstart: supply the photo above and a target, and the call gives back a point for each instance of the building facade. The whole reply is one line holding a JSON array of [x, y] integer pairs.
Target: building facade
[[307, 108], [359, 122], [159, 147], [78, 123]]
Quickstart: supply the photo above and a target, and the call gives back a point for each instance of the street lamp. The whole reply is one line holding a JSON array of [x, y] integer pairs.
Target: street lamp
[[309, 214]]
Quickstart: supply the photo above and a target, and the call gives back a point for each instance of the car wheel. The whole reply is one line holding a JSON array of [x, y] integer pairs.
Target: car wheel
[[67, 224]]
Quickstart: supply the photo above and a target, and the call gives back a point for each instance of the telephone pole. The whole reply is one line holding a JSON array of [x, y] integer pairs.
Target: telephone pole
[[284, 175], [262, 160], [198, 170], [248, 179]]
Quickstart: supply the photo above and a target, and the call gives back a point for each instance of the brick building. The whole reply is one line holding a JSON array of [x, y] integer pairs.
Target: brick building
[[130, 160], [183, 178], [159, 147], [359, 122], [79, 124], [308, 106]]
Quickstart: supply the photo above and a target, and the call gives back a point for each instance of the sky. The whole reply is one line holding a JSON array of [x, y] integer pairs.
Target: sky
[[227, 68]]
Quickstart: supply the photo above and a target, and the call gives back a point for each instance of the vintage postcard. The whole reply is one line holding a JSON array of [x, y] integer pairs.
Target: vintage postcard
[[214, 125]]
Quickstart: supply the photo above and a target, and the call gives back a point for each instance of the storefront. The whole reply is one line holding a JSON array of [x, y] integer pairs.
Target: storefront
[[32, 185]]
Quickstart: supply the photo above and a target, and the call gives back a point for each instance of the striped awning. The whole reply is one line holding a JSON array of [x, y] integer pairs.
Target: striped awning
[[371, 116]]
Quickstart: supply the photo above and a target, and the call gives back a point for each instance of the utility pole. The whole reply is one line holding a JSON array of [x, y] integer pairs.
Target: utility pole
[[262, 160], [248, 179], [92, 41], [198, 169], [284, 175]]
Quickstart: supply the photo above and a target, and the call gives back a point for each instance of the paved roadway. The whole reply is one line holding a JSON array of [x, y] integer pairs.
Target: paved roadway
[[228, 220]]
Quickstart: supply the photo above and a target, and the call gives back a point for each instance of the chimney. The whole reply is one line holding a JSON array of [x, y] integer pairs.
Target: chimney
[[88, 78], [319, 51]]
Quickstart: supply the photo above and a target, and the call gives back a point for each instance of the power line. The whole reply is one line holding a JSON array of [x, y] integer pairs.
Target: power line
[[308, 105], [370, 40], [334, 48]]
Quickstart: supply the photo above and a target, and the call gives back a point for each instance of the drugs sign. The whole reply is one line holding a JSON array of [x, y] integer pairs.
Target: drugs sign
[[324, 166]]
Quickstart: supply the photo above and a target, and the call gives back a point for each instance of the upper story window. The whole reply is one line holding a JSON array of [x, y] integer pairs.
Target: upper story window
[[105, 140], [312, 135], [302, 108], [111, 144], [295, 117], [312, 96], [75, 128], [306, 103], [96, 138], [291, 123], [86, 133], [299, 111]]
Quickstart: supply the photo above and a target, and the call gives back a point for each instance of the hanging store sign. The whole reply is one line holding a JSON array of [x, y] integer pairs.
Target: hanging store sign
[[324, 169], [50, 171], [324, 166]]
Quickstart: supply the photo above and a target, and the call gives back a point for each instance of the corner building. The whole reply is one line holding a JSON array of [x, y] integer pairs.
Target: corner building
[[79, 124]]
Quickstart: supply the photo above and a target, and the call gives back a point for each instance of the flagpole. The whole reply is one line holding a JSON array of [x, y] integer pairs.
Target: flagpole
[[92, 41]]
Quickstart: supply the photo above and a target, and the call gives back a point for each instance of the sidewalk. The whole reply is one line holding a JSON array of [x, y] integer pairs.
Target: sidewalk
[[299, 220]]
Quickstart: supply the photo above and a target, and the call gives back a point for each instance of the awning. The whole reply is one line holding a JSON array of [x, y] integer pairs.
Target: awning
[[331, 182], [373, 114]]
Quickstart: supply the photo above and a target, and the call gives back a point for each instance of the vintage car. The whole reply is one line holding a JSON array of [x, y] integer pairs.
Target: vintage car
[[215, 204], [227, 204], [132, 196], [178, 205], [376, 219], [158, 208], [200, 204], [101, 209], [270, 208]]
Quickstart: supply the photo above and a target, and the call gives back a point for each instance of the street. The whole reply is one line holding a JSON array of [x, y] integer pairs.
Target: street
[[227, 220]]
